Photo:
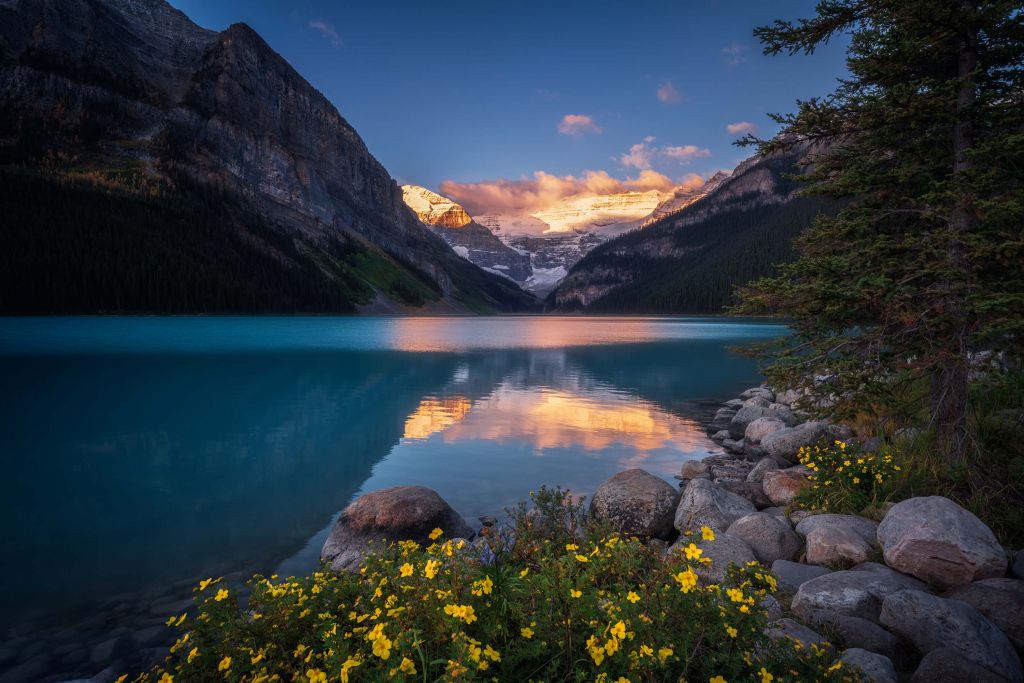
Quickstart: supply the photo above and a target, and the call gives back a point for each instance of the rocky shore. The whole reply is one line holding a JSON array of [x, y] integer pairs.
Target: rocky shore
[[926, 594]]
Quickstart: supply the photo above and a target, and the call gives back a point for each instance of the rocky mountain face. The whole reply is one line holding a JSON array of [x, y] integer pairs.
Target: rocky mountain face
[[682, 197], [692, 258], [132, 93], [466, 237]]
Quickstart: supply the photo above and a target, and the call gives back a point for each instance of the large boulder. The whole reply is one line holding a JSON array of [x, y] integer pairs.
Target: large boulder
[[836, 545], [723, 551], [694, 469], [864, 528], [931, 622], [637, 503], [781, 486], [945, 664], [1001, 601], [752, 410], [705, 504], [856, 592], [762, 427], [786, 443], [938, 541], [768, 536], [858, 633], [760, 392], [873, 667], [792, 575], [763, 466], [399, 513]]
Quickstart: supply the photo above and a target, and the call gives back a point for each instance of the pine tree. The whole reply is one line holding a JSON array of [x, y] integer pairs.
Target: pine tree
[[924, 142]]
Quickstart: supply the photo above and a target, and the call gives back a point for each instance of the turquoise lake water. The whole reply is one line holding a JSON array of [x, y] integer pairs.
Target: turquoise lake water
[[142, 454]]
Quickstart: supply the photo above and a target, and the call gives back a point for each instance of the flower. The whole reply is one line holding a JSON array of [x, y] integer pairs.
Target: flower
[[435, 534], [464, 612], [526, 632], [686, 579], [406, 569], [692, 552], [349, 664], [382, 647], [582, 558], [522, 574], [221, 595], [407, 667], [192, 654], [633, 597], [735, 594], [664, 653], [430, 568], [225, 664], [619, 630], [731, 631], [316, 676], [575, 593], [166, 678], [204, 584], [717, 679], [707, 534], [765, 676], [571, 547]]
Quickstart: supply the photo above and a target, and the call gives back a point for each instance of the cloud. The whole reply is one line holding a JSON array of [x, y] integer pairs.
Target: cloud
[[686, 152], [643, 155], [691, 181], [577, 125], [740, 127], [327, 31], [544, 189], [667, 94], [732, 54]]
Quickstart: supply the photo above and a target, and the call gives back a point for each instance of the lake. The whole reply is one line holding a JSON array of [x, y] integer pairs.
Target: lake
[[143, 454]]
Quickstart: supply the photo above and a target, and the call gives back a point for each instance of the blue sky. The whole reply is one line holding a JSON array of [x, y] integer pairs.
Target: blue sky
[[476, 91]]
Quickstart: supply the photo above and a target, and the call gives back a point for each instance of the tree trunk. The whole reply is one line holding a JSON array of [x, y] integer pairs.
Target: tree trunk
[[949, 383]]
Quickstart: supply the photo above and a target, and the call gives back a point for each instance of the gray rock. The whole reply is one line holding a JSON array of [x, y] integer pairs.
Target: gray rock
[[1001, 601], [931, 622], [788, 397], [705, 504], [762, 427], [734, 446], [722, 552], [794, 630], [864, 528], [945, 664], [722, 418], [385, 516], [752, 491], [776, 512], [734, 403], [858, 593], [760, 392], [792, 575], [835, 546], [763, 465], [637, 503], [781, 486], [874, 668], [770, 604], [694, 469], [786, 443], [769, 537], [858, 633], [752, 411], [732, 468], [755, 402], [720, 436], [797, 516], [938, 541], [1018, 564]]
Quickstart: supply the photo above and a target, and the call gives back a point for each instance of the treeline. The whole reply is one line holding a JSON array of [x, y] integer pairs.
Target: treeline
[[70, 247], [728, 249]]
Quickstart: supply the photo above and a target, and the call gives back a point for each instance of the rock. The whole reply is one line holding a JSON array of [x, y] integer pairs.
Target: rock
[[792, 575], [755, 402], [1001, 601], [760, 392], [781, 486], [734, 403], [770, 604], [732, 468], [753, 411], [864, 528], [797, 516], [694, 469], [794, 630], [751, 491], [1018, 564], [855, 632], [786, 443], [722, 418], [762, 427], [763, 466], [705, 504], [931, 622], [720, 436], [770, 538], [776, 512], [389, 515], [875, 668], [858, 593], [836, 545], [788, 397], [733, 446], [637, 503], [722, 552], [27, 672], [945, 664], [938, 541]]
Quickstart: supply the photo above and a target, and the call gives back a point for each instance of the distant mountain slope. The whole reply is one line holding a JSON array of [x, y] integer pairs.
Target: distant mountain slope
[[691, 260], [131, 97], [465, 236]]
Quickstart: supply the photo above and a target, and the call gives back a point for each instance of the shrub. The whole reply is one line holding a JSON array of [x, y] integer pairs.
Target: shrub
[[845, 480], [554, 597]]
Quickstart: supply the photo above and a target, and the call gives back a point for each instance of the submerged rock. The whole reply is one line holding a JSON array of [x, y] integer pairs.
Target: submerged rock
[[398, 513]]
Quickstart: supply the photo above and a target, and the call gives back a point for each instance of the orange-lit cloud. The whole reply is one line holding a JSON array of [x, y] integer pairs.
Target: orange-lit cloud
[[741, 127], [686, 152], [544, 189], [691, 181], [667, 94], [577, 125]]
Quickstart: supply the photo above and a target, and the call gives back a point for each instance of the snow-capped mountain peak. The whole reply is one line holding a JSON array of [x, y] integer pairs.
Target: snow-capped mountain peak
[[434, 209]]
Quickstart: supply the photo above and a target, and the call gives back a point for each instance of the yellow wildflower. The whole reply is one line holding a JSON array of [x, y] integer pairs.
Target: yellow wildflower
[[619, 630], [707, 534], [526, 632], [575, 593], [687, 580], [717, 679], [406, 569], [349, 664], [582, 558], [664, 653], [522, 574], [731, 631], [192, 654], [430, 568], [765, 676], [316, 676], [633, 597], [204, 584], [435, 534], [407, 667], [225, 664], [221, 595], [165, 678], [692, 552]]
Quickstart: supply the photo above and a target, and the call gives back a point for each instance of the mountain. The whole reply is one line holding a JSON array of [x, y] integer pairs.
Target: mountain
[[227, 160], [691, 259], [465, 236], [683, 196]]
